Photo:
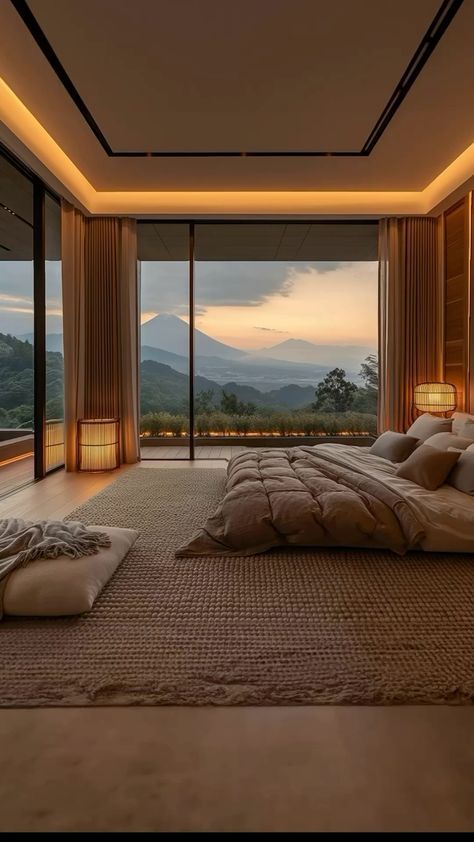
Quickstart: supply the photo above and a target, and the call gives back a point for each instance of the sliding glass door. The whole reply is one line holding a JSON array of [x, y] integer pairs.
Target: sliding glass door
[[285, 334], [54, 425], [16, 328], [31, 370], [165, 335]]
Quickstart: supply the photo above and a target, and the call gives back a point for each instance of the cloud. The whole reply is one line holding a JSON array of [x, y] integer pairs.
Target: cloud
[[217, 284], [271, 329]]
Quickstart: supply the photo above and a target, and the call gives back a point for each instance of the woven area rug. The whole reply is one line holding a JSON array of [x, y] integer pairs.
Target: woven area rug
[[300, 627]]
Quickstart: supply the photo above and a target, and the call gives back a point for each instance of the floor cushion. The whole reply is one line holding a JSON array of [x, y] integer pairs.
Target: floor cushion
[[61, 586]]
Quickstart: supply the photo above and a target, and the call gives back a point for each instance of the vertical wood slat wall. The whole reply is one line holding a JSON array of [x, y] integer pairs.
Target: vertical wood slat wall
[[457, 232], [102, 384]]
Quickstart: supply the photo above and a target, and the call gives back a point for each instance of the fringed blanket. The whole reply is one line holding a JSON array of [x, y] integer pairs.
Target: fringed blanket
[[23, 541]]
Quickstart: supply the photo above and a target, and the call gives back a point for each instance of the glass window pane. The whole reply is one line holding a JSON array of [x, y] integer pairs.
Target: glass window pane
[[164, 377], [16, 328], [285, 331], [54, 434]]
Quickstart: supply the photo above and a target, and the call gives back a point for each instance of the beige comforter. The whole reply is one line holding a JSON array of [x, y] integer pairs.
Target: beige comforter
[[302, 497]]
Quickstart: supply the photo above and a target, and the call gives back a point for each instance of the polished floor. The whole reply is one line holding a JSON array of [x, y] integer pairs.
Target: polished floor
[[15, 473], [206, 451], [222, 769]]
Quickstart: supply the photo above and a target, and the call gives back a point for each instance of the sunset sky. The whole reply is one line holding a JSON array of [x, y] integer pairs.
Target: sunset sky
[[249, 305], [257, 304]]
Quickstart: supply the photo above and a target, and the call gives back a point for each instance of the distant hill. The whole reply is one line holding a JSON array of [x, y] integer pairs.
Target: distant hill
[[348, 357], [170, 333], [165, 389], [176, 361], [54, 341], [17, 382]]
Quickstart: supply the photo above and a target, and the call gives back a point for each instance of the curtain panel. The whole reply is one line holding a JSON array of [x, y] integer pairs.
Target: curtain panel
[[101, 310], [410, 315]]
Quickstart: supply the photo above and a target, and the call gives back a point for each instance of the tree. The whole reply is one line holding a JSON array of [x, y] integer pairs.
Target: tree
[[369, 372], [204, 402], [231, 406], [334, 393]]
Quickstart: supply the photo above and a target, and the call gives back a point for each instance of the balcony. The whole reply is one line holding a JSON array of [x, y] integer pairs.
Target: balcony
[[17, 452]]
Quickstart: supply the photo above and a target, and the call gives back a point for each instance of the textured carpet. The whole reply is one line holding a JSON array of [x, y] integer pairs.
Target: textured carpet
[[301, 627]]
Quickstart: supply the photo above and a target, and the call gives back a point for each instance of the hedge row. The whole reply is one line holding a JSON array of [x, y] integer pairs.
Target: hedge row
[[281, 423]]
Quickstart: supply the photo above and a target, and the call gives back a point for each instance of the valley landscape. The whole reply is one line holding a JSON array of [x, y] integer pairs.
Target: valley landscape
[[285, 389]]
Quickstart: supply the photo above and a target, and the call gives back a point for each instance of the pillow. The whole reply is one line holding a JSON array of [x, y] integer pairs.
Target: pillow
[[444, 441], [462, 475], [459, 419], [394, 446], [428, 466], [54, 587], [427, 425], [467, 429]]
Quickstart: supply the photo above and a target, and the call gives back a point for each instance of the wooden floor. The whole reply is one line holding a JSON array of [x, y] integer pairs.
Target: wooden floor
[[14, 473], [200, 452], [58, 494], [214, 769]]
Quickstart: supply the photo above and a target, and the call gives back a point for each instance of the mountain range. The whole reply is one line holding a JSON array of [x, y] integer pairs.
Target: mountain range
[[294, 362]]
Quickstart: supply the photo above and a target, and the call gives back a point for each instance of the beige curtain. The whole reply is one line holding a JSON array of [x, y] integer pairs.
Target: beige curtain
[[410, 306], [100, 295]]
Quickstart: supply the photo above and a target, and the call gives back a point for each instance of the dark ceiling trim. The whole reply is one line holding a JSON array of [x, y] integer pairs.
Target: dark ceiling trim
[[432, 37]]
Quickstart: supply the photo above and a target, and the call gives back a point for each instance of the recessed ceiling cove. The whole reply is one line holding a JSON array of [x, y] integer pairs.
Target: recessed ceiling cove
[[274, 94]]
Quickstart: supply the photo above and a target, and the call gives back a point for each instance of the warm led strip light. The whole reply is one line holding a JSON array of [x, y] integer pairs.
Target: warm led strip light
[[16, 116]]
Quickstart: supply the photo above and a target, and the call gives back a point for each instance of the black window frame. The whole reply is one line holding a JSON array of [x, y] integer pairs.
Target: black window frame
[[191, 223], [40, 191]]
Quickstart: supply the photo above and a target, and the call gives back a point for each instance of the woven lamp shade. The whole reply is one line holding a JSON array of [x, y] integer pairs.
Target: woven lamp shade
[[98, 444], [435, 397]]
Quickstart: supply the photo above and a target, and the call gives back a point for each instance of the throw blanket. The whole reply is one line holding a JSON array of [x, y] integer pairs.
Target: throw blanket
[[300, 497], [22, 541]]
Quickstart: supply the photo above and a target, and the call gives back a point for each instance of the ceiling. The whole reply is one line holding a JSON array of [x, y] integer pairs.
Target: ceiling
[[260, 241], [200, 83], [16, 217]]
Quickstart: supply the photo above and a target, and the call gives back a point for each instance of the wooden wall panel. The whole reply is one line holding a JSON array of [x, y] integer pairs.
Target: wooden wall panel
[[457, 298]]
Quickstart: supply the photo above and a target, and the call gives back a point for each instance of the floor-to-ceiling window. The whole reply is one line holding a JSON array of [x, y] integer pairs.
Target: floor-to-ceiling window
[[16, 328], [31, 380], [54, 430], [285, 333], [165, 334]]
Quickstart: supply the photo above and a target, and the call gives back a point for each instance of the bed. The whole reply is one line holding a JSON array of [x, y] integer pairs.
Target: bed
[[330, 495]]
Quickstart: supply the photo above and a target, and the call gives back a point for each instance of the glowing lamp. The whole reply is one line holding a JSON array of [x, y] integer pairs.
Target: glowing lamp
[[98, 444], [54, 443], [435, 397]]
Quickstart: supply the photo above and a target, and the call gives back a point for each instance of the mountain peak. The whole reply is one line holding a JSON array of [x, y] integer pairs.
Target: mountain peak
[[170, 333]]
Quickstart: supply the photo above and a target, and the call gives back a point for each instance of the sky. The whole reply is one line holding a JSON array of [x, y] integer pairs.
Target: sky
[[248, 305], [16, 297], [252, 305]]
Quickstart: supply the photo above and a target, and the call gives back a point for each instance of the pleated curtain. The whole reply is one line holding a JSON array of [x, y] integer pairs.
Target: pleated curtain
[[410, 307], [101, 310]]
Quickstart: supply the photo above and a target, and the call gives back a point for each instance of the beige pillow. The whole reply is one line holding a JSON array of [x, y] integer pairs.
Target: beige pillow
[[427, 425], [394, 446], [428, 466], [443, 441], [459, 419], [462, 475], [54, 587], [467, 429]]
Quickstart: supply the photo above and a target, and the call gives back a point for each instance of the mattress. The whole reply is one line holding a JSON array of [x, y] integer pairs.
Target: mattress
[[446, 514]]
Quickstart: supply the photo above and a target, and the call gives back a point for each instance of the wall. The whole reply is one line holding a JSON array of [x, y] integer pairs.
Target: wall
[[458, 344]]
